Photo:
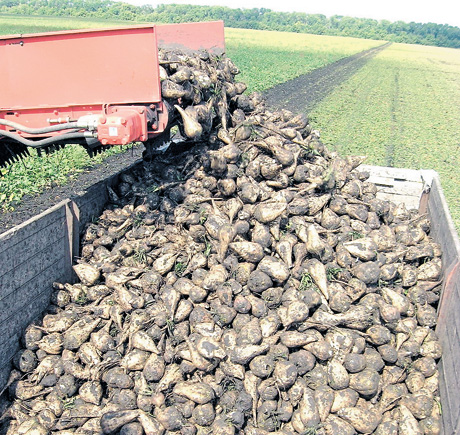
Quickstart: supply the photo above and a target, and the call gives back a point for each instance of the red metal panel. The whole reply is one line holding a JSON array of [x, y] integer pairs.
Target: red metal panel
[[192, 36], [68, 74], [79, 68]]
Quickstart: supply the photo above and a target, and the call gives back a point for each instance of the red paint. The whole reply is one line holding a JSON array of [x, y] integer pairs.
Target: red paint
[[123, 125], [75, 68], [192, 36]]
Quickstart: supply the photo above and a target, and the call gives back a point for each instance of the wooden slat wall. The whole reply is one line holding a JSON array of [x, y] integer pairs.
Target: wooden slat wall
[[399, 185], [448, 328], [32, 256]]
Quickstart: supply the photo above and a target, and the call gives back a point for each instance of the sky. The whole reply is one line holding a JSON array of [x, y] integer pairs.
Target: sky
[[421, 11]]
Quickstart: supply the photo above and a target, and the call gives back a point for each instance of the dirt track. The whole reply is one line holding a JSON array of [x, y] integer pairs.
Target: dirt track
[[300, 95], [303, 93]]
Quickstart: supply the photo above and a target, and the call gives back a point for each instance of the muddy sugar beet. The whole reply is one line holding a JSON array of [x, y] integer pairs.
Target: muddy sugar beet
[[252, 284]]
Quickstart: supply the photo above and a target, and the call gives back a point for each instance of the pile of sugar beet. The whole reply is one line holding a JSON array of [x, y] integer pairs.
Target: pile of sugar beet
[[247, 282]]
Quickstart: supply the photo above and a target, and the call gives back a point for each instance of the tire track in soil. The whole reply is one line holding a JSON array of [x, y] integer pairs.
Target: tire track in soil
[[303, 93], [390, 147]]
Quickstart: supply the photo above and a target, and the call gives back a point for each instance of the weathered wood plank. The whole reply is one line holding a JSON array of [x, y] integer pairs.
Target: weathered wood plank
[[401, 188], [402, 174], [450, 399], [449, 304], [21, 253], [447, 411], [71, 246], [411, 202], [448, 328], [456, 424], [11, 347], [397, 185], [443, 229], [31, 270], [25, 230], [5, 371], [92, 204], [13, 328], [13, 302]]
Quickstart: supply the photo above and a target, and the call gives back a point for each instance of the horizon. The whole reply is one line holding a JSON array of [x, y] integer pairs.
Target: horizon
[[445, 12]]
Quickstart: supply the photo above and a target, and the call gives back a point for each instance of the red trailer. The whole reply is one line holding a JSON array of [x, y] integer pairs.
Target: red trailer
[[94, 87]]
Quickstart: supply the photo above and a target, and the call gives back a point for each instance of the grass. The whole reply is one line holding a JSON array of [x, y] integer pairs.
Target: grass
[[14, 24], [267, 58], [34, 174], [401, 110]]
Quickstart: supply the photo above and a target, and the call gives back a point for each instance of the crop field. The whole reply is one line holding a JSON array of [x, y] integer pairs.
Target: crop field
[[13, 24], [403, 110], [267, 58]]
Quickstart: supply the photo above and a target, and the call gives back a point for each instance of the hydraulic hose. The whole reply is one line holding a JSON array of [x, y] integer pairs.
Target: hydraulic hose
[[51, 128], [43, 142]]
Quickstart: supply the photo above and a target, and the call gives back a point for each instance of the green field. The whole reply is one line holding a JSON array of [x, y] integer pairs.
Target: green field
[[267, 58], [403, 110], [13, 24]]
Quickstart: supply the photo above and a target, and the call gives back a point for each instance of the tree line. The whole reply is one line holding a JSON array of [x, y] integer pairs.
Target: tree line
[[441, 35]]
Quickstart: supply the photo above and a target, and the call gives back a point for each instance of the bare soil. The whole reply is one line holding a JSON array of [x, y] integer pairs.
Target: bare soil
[[299, 95], [302, 94]]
